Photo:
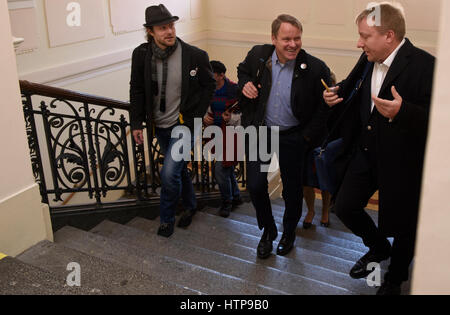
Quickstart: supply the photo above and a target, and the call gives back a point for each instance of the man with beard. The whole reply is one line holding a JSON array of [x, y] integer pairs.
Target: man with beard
[[171, 84]]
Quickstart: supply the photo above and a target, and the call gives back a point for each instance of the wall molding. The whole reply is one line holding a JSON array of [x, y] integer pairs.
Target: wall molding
[[74, 72], [20, 4]]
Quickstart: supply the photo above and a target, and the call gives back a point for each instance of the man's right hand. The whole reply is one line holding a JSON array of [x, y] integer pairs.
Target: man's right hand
[[331, 98], [250, 91], [138, 136]]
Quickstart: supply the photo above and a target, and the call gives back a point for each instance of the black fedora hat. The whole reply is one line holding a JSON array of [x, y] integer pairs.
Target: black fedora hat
[[158, 15]]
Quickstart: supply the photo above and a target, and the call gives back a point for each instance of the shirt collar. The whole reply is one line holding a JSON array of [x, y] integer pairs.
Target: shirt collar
[[389, 60], [276, 61]]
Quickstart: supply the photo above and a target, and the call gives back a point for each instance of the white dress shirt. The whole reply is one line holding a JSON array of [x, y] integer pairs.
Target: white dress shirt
[[380, 71]]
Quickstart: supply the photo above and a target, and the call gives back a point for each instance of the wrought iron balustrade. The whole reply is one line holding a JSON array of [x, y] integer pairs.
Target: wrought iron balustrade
[[81, 143]]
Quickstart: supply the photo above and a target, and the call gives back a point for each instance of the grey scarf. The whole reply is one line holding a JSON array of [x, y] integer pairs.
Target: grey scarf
[[164, 56]]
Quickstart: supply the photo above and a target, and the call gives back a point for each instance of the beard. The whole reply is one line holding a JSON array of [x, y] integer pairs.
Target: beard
[[166, 42]]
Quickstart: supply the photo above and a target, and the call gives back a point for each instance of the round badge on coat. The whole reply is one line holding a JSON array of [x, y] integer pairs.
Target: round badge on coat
[[193, 73], [303, 66]]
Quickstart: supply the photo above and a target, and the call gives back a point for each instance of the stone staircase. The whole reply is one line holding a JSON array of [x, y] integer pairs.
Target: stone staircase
[[213, 256]]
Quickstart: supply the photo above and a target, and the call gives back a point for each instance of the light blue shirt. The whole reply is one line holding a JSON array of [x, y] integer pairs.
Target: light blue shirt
[[279, 110]]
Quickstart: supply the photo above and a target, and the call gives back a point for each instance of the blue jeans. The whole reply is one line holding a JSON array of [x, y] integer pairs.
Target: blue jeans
[[227, 182], [175, 179]]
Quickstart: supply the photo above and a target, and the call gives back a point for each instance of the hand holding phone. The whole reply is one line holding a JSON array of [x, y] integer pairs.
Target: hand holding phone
[[330, 95]]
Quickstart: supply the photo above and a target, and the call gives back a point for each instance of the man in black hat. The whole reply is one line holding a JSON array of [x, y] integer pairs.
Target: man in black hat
[[171, 84]]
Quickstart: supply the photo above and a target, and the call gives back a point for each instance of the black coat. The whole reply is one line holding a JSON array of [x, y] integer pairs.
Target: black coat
[[400, 144], [306, 94], [197, 90]]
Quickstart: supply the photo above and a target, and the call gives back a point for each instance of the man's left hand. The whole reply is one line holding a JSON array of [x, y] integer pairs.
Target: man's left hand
[[389, 109]]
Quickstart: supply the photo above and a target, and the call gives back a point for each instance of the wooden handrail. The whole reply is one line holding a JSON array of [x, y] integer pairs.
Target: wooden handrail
[[49, 91]]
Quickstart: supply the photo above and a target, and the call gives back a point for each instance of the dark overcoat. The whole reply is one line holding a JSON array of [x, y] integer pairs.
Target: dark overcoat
[[400, 143], [198, 85], [306, 92]]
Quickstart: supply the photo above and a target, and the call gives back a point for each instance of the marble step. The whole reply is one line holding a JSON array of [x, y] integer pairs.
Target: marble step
[[190, 276], [19, 278], [235, 263], [250, 218], [306, 263], [104, 277]]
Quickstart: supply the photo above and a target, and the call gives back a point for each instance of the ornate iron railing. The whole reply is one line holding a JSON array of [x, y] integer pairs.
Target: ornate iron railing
[[81, 143]]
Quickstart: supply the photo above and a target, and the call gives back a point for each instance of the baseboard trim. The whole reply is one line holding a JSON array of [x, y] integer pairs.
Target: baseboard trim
[[24, 221]]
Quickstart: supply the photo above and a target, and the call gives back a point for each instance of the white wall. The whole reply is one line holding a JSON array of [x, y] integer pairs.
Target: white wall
[[330, 33], [23, 220], [13, 137], [432, 271], [102, 63]]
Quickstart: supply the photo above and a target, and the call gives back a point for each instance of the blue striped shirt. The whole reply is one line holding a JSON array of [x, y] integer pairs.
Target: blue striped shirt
[[279, 110]]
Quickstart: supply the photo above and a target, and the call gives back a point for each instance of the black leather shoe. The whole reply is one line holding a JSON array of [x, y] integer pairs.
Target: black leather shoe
[[307, 225], [389, 288], [165, 229], [286, 243], [237, 202], [265, 244], [360, 271], [225, 209], [186, 218]]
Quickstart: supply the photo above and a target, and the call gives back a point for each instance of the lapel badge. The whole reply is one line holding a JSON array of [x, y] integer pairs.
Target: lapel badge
[[194, 72], [304, 66]]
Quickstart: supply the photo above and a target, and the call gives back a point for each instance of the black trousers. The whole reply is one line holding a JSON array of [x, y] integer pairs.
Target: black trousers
[[291, 160], [360, 183]]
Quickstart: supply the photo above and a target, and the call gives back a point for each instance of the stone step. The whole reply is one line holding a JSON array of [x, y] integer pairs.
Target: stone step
[[278, 212], [19, 278], [249, 236], [310, 233], [232, 263], [105, 277], [243, 227], [278, 205], [248, 241], [307, 266], [199, 279]]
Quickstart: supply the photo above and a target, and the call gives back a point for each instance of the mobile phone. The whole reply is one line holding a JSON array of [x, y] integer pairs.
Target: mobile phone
[[325, 85]]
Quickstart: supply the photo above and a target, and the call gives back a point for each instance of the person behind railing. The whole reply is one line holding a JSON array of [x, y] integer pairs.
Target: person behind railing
[[282, 89], [311, 183], [384, 132], [221, 114], [171, 84]]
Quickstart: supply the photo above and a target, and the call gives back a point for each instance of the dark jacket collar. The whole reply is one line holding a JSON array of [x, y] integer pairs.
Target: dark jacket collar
[[301, 62]]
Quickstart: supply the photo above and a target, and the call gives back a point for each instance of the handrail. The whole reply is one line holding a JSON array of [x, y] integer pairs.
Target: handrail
[[49, 91], [87, 150]]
